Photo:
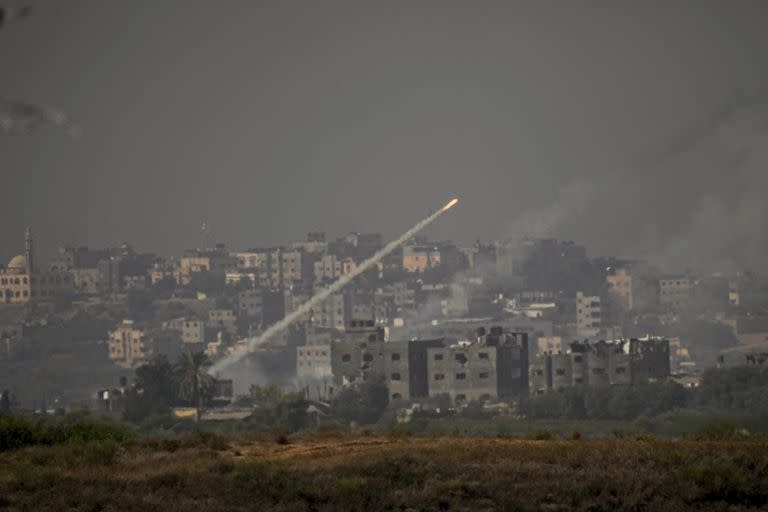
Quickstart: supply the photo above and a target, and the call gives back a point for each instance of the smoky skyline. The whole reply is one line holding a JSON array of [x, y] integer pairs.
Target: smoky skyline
[[639, 130]]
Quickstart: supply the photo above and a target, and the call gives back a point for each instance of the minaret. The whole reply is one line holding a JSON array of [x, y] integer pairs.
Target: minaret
[[204, 237], [29, 251]]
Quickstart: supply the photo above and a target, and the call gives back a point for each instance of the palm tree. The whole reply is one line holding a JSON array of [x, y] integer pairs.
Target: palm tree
[[192, 378]]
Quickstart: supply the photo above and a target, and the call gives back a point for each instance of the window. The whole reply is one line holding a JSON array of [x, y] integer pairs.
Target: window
[[461, 398], [598, 371], [396, 396], [621, 370], [395, 356], [367, 357], [461, 376], [301, 353], [346, 358], [560, 371], [438, 357], [577, 380], [439, 376], [483, 355], [538, 372], [484, 375], [578, 359], [395, 376]]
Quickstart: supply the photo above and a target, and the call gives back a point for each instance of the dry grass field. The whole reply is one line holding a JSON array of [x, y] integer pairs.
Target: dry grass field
[[344, 472]]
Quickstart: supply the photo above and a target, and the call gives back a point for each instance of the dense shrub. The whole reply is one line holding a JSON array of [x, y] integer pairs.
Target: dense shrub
[[20, 431], [610, 402], [743, 388]]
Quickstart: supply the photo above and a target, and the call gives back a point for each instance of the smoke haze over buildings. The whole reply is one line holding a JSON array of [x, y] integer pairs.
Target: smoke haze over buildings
[[258, 117]]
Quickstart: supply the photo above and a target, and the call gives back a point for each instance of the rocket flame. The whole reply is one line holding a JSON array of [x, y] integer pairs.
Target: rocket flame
[[450, 204]]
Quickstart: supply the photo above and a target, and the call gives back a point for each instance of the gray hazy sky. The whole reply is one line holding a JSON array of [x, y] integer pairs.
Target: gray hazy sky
[[611, 123]]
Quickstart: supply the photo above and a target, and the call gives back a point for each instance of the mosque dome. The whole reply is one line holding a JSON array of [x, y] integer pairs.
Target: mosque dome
[[17, 265]]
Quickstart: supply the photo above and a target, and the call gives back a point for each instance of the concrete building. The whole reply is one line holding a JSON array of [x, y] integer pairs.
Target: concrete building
[[512, 361], [494, 365], [139, 282], [288, 269], [395, 355], [191, 330], [207, 260], [467, 328], [330, 312], [561, 371], [85, 281], [128, 345], [588, 315], [549, 344], [464, 371], [601, 363], [81, 263], [358, 354], [540, 375], [358, 246], [21, 282], [222, 320], [420, 258], [241, 278], [250, 304], [313, 362], [620, 284], [314, 244], [327, 268], [675, 292]]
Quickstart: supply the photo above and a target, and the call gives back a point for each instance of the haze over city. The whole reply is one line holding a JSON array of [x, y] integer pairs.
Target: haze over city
[[409, 256], [268, 120]]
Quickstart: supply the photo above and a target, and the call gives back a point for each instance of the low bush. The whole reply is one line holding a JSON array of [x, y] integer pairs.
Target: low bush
[[540, 435], [20, 431]]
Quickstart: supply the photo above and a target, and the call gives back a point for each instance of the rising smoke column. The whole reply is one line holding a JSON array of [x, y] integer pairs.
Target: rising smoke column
[[323, 295]]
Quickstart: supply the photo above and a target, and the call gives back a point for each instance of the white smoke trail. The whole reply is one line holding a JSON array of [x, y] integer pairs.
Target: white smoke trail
[[323, 295]]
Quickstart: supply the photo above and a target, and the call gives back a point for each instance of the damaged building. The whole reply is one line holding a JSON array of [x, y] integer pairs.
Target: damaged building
[[601, 363], [493, 365]]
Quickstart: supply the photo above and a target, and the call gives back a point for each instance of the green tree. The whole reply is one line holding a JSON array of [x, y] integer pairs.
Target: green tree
[[193, 382], [363, 403], [291, 411], [152, 392], [267, 395]]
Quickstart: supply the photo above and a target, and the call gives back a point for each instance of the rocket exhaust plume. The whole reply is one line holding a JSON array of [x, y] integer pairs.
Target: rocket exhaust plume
[[291, 318]]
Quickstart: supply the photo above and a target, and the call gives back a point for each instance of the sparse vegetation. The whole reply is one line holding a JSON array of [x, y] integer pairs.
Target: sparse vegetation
[[346, 472]]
